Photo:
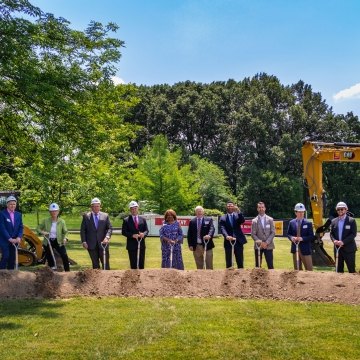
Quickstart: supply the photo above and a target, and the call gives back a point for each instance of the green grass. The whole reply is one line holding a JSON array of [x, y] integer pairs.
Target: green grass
[[119, 255], [73, 221], [128, 328]]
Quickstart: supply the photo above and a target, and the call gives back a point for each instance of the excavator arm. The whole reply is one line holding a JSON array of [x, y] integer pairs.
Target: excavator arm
[[314, 154]]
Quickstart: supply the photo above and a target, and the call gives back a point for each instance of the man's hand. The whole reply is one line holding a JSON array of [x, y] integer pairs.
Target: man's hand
[[207, 237], [191, 248], [105, 241], [85, 245], [135, 236]]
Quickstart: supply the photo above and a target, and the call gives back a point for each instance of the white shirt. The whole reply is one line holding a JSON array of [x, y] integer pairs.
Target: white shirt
[[52, 233]]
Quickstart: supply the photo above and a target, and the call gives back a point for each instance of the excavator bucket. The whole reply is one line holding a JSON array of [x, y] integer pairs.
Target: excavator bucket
[[319, 255]]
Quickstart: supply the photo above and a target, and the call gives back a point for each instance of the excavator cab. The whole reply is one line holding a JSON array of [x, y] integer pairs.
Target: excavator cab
[[31, 251], [314, 154]]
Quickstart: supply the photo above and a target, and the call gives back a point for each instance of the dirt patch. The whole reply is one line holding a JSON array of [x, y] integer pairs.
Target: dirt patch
[[246, 284]]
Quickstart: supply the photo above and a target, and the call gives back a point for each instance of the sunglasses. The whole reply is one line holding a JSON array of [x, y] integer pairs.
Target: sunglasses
[[341, 209]]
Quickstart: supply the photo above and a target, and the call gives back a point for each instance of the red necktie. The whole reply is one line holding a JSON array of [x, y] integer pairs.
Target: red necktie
[[136, 223]]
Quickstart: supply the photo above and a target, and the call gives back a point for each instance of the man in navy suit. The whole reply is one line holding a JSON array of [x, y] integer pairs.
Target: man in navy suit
[[201, 229], [300, 231], [11, 232], [230, 227], [343, 232], [135, 230], [95, 233]]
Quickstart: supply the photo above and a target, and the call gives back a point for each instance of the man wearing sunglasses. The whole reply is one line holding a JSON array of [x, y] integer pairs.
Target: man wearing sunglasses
[[343, 233]]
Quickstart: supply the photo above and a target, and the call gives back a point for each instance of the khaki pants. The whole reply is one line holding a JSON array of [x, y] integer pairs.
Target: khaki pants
[[199, 257], [304, 259]]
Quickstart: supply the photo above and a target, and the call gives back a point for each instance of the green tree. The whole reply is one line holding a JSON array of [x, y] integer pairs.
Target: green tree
[[213, 187], [162, 181]]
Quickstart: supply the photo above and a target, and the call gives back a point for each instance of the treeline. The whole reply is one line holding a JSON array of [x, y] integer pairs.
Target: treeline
[[68, 134], [253, 130]]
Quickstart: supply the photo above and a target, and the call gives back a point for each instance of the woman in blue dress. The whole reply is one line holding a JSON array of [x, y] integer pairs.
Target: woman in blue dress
[[171, 237]]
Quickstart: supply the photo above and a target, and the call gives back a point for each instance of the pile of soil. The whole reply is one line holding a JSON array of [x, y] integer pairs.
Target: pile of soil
[[246, 284]]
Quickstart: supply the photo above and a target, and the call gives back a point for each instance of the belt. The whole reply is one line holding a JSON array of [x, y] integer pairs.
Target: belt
[[52, 239]]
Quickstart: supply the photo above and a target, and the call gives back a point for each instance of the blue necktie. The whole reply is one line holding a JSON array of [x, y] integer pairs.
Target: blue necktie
[[96, 220]]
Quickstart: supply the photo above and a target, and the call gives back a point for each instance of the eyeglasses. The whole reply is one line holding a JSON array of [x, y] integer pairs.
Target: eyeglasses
[[341, 209]]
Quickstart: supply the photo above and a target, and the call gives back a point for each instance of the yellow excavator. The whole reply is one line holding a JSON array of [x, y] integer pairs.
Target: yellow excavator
[[314, 154], [31, 251]]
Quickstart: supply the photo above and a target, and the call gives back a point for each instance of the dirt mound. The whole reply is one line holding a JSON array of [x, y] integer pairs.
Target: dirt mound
[[256, 283]]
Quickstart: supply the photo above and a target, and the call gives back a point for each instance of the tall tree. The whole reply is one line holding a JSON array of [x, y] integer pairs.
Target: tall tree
[[162, 182]]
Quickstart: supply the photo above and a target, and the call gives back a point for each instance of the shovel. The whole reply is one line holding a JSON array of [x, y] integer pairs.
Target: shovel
[[232, 242], [138, 252], [204, 255], [337, 249], [258, 248], [297, 257], [171, 254], [104, 246], [52, 252], [16, 256]]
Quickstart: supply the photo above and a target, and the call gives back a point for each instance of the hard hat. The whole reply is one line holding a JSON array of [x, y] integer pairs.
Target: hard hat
[[341, 204], [54, 207], [299, 207], [95, 201], [11, 198], [133, 204]]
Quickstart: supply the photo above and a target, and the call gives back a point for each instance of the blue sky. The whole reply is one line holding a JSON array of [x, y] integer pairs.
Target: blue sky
[[168, 41]]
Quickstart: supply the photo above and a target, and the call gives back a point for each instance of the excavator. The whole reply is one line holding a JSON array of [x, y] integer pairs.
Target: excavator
[[314, 154], [30, 251]]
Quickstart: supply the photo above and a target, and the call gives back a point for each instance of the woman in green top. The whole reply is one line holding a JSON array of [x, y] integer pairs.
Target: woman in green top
[[54, 230]]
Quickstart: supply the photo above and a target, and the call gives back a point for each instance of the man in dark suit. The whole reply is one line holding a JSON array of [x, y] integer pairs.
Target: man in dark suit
[[11, 232], [201, 229], [95, 232], [135, 230], [300, 231], [230, 227], [343, 232]]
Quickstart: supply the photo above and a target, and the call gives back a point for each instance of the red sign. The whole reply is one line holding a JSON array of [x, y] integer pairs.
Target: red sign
[[246, 227], [183, 222]]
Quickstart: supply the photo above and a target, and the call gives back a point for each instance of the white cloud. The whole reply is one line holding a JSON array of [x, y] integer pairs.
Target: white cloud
[[117, 81], [353, 92]]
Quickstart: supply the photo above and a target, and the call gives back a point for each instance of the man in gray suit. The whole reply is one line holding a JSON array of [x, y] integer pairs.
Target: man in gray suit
[[263, 232], [95, 232]]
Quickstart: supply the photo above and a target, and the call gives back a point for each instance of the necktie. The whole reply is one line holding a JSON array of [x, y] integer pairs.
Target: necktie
[[298, 231], [136, 223], [199, 229], [96, 220], [231, 218], [12, 217]]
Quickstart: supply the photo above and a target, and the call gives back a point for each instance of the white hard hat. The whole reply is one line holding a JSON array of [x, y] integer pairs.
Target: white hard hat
[[341, 204], [299, 207], [11, 198], [54, 207], [95, 201], [133, 204]]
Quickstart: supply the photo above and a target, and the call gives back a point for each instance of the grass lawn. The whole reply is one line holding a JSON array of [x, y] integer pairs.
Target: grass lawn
[[128, 328], [119, 255], [171, 328]]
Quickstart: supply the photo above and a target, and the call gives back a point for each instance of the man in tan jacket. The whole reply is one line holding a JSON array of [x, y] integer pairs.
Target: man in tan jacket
[[263, 232]]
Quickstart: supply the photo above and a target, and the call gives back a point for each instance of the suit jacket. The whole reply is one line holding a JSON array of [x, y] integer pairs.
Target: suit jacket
[[129, 229], [7, 229], [90, 234], [258, 232], [228, 230], [306, 233], [207, 228], [348, 233]]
